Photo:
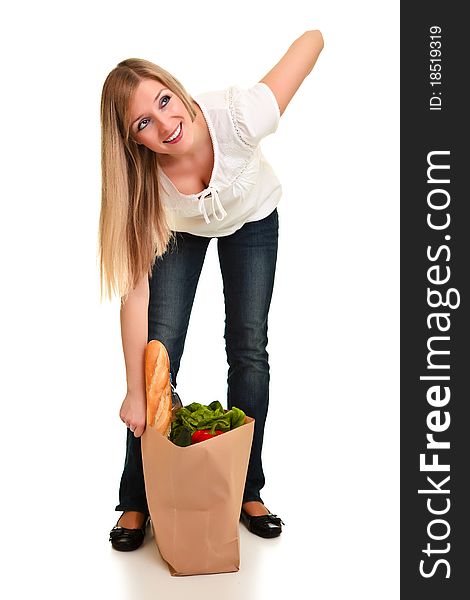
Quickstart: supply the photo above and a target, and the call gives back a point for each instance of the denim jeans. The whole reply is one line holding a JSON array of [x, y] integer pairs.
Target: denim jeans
[[247, 262]]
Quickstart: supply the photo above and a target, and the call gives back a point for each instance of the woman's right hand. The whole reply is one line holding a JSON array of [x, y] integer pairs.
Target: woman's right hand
[[134, 412]]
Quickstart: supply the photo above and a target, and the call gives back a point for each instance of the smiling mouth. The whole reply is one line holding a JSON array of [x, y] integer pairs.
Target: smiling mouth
[[176, 133]]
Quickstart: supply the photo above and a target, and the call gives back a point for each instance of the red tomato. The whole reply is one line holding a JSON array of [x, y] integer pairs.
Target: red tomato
[[203, 434]]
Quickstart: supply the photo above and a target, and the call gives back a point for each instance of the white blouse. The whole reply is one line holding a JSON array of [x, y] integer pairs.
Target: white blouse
[[243, 186]]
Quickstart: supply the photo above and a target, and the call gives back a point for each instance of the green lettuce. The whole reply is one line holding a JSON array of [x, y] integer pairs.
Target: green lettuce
[[189, 419]]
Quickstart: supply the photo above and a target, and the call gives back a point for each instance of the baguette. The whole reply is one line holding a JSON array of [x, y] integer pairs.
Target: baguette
[[158, 387]]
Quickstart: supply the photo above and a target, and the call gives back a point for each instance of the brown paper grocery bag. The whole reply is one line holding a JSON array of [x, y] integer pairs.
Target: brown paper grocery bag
[[194, 495]]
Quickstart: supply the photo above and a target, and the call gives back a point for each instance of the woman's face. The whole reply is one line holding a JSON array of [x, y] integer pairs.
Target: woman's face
[[157, 114]]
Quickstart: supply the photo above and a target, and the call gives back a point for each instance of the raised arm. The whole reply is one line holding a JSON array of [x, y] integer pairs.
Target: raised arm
[[285, 77]]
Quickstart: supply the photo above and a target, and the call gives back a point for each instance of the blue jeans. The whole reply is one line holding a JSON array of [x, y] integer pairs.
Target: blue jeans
[[248, 262]]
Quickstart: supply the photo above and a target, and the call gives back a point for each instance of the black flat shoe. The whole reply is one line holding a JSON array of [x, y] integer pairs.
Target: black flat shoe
[[125, 539], [267, 526]]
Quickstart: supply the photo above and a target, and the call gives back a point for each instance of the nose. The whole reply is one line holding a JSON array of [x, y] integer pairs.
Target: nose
[[165, 125]]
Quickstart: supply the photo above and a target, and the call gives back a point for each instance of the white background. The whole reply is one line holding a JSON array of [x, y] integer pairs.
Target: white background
[[331, 451]]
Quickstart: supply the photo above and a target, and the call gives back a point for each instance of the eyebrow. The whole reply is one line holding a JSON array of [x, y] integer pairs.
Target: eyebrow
[[155, 99]]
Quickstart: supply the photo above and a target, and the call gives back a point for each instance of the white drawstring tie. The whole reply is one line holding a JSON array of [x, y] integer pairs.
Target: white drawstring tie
[[215, 202]]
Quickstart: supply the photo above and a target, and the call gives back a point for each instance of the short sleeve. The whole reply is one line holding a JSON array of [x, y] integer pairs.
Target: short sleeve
[[255, 112]]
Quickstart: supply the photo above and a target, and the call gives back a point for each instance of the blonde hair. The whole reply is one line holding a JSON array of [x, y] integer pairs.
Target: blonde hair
[[133, 230]]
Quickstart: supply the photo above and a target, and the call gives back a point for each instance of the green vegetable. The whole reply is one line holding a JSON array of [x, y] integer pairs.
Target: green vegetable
[[197, 416], [182, 436]]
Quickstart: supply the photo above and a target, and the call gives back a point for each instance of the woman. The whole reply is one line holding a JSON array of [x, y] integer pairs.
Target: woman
[[176, 172]]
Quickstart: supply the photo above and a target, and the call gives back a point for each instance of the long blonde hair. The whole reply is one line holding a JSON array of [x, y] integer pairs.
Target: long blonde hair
[[133, 230]]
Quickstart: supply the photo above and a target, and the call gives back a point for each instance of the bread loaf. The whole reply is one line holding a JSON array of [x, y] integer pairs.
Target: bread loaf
[[158, 387]]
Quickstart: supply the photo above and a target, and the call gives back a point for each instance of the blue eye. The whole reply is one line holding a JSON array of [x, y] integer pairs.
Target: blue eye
[[139, 128]]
